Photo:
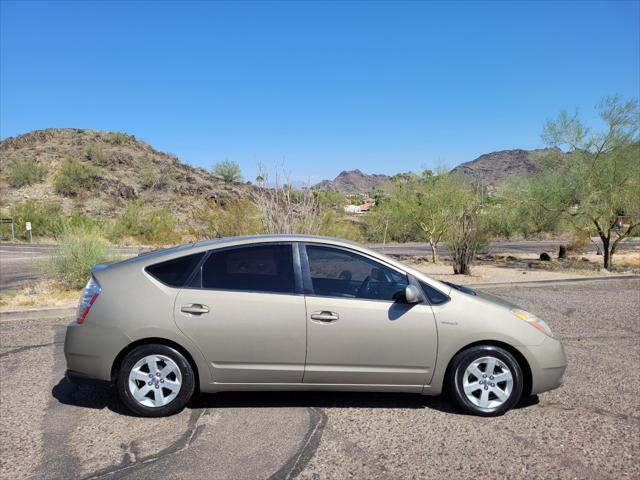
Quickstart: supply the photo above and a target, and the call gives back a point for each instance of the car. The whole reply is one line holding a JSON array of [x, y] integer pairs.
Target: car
[[297, 312]]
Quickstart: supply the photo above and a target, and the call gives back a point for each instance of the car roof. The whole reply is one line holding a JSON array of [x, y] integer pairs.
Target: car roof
[[279, 237], [179, 250]]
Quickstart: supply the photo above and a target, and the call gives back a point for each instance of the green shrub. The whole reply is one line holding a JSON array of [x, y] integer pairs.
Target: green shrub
[[79, 250], [96, 154], [233, 218], [151, 177], [153, 226], [25, 172], [117, 138], [228, 170], [334, 224], [76, 220], [160, 227], [45, 218], [75, 176]]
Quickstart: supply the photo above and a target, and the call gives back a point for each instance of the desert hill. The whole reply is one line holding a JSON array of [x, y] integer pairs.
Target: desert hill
[[128, 170], [498, 167]]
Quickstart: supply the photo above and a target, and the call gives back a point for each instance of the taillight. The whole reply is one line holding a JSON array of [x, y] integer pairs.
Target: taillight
[[89, 296]]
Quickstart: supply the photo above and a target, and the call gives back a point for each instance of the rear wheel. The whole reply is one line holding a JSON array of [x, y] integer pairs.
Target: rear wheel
[[485, 380], [155, 380]]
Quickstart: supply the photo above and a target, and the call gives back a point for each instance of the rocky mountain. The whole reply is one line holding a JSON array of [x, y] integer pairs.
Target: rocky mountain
[[497, 167], [354, 181], [128, 169], [491, 169]]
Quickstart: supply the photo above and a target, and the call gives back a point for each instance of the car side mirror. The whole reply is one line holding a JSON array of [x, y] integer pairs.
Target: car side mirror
[[412, 294]]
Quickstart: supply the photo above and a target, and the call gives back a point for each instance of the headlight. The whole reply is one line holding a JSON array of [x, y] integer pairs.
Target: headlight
[[532, 320]]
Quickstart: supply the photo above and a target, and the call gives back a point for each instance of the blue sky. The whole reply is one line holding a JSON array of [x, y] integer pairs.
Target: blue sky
[[384, 87]]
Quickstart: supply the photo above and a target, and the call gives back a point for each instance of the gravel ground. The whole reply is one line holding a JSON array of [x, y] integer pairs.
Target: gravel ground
[[589, 428]]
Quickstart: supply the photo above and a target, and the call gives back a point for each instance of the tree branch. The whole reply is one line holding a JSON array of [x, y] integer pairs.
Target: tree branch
[[631, 227]]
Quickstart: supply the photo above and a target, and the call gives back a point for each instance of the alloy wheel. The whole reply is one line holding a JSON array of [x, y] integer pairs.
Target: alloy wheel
[[155, 381], [487, 382]]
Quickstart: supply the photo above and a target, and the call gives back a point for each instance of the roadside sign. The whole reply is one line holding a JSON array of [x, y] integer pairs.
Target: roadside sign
[[10, 222], [28, 225]]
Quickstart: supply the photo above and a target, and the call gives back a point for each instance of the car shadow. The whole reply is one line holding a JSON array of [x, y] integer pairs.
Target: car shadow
[[328, 400], [98, 397], [88, 396]]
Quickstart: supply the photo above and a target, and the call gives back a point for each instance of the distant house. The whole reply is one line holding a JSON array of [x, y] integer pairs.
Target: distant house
[[360, 209], [352, 209]]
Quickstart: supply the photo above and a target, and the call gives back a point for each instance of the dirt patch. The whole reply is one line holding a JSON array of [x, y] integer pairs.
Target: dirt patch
[[42, 294], [517, 267]]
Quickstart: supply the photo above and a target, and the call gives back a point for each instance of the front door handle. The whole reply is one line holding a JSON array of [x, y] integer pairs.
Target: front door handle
[[325, 316], [195, 309]]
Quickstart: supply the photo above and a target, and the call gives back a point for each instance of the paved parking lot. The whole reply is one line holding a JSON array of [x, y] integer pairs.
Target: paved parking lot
[[589, 428]]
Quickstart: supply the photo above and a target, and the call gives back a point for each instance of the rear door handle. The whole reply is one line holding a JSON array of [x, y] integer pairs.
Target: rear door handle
[[195, 309], [325, 316]]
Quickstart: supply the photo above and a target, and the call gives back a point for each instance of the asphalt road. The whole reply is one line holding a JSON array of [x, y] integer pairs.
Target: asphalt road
[[589, 428], [22, 263]]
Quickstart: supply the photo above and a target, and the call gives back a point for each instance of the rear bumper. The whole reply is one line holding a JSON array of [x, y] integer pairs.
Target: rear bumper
[[83, 379], [91, 348]]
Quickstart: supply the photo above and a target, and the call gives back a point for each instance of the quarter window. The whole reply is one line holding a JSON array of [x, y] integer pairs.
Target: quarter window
[[264, 268], [175, 272], [435, 297], [340, 273]]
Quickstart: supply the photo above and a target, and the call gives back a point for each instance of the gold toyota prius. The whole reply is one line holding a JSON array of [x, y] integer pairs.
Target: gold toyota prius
[[296, 312]]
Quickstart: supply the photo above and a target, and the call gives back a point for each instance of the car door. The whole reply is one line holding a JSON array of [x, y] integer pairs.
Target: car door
[[358, 331], [245, 310]]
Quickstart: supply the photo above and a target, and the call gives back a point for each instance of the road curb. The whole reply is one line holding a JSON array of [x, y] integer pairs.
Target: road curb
[[37, 313], [554, 281]]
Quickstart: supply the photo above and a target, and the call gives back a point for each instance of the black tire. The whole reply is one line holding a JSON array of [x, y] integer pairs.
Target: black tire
[[187, 382], [464, 359]]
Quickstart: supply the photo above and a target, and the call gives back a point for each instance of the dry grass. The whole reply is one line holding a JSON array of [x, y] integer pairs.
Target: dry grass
[[43, 294], [627, 260]]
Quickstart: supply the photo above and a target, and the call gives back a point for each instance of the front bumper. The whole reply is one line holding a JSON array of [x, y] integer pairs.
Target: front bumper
[[548, 362]]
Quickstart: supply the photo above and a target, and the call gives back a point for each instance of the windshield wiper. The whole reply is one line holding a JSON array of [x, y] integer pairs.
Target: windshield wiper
[[462, 288]]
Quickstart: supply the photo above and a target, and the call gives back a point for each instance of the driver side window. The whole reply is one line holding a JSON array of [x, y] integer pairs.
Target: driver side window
[[340, 273]]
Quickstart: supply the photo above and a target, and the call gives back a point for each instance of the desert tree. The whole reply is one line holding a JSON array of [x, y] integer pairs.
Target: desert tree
[[437, 198], [422, 207], [467, 234], [595, 184]]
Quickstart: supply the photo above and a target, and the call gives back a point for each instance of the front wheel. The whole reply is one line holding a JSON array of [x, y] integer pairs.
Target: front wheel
[[485, 380], [155, 381]]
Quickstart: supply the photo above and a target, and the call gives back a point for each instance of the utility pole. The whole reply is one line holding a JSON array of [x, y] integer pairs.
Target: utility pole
[[384, 238]]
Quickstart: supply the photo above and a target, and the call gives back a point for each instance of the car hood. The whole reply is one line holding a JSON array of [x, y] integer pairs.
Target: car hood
[[486, 297]]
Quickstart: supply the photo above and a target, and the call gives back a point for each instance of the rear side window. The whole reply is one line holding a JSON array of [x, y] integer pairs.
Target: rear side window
[[263, 268], [435, 297], [175, 272]]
